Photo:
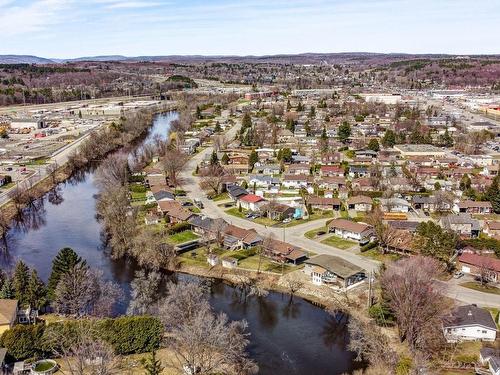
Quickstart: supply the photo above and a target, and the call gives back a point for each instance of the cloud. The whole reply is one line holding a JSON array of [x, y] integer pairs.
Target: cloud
[[34, 17], [125, 4]]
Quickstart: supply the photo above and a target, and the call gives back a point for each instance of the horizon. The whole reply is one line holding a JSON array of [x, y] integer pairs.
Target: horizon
[[63, 29]]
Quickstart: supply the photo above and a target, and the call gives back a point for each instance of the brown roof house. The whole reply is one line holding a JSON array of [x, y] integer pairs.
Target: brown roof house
[[351, 230], [8, 314], [483, 266], [360, 203], [283, 252], [473, 207], [333, 271], [239, 238], [321, 203]]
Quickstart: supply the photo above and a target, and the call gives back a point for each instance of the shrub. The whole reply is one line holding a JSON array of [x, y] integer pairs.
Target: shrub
[[23, 341], [179, 227], [381, 314], [368, 246], [131, 334], [404, 366], [136, 188]]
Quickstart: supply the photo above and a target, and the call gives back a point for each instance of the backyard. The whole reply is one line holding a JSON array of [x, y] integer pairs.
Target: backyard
[[182, 237], [338, 242]]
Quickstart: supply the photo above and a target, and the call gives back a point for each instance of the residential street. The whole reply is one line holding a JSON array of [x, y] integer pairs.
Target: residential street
[[295, 235]]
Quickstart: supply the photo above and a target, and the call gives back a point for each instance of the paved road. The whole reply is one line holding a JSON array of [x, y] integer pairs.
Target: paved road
[[293, 235]]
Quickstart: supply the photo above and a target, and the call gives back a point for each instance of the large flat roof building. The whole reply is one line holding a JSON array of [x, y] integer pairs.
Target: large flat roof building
[[419, 150]]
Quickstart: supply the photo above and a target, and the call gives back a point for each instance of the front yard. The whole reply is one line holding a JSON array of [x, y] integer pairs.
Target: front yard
[[481, 288], [182, 237], [259, 220], [247, 259], [338, 242]]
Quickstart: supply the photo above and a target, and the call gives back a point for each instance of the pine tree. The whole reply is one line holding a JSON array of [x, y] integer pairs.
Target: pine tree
[[20, 281], [152, 365], [373, 145], [7, 291], [389, 138], [253, 158], [225, 159], [217, 128], [493, 194], [36, 293], [246, 122], [214, 160], [65, 260], [344, 132]]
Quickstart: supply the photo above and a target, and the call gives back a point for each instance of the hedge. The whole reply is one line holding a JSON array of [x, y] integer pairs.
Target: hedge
[[127, 335], [179, 227], [368, 246]]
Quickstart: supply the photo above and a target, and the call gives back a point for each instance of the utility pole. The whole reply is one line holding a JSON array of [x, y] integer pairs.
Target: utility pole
[[370, 276]]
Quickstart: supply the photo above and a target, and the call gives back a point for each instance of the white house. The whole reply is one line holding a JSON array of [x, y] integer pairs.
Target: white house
[[251, 202], [350, 230], [469, 323], [395, 205]]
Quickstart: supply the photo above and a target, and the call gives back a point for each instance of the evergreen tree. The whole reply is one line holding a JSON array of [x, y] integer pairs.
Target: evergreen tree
[[36, 292], [300, 107], [288, 105], [3, 277], [254, 158], [20, 281], [214, 160], [290, 125], [198, 112], [312, 112], [7, 291], [389, 138], [324, 136], [217, 128], [493, 194], [307, 128], [65, 260], [152, 365], [373, 145], [465, 182], [225, 159], [246, 122], [244, 184], [327, 118], [344, 132]]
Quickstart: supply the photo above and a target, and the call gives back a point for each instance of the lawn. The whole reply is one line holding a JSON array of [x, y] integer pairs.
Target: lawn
[[138, 196], [7, 186], [235, 212], [312, 233], [377, 255], [338, 242], [481, 288], [182, 237], [314, 216], [220, 197]]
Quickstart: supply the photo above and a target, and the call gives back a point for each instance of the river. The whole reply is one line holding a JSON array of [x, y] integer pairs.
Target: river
[[287, 336]]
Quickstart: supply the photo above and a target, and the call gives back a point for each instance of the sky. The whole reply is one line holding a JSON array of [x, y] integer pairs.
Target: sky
[[75, 28]]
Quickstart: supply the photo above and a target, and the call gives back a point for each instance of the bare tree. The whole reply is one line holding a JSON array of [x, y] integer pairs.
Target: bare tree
[[173, 163], [212, 178], [293, 283], [384, 233], [202, 341], [144, 292], [151, 250], [416, 302]]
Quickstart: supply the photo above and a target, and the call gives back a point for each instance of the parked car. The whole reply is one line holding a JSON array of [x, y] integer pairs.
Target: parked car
[[287, 220], [458, 275]]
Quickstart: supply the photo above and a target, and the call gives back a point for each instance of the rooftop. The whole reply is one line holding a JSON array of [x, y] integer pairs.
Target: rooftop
[[336, 265]]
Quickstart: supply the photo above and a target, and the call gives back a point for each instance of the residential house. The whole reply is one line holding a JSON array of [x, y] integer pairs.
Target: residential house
[[331, 170], [151, 219], [277, 211], [394, 205], [283, 252], [190, 145], [331, 158], [430, 204], [179, 214], [360, 203], [268, 169], [239, 238], [297, 181], [210, 229], [159, 193], [251, 202], [321, 203], [479, 265], [356, 171], [351, 230], [363, 184], [463, 224], [469, 323], [229, 262], [492, 228], [8, 314], [154, 176], [298, 169], [332, 183], [263, 181], [285, 136], [236, 191], [333, 271], [490, 357], [473, 207]]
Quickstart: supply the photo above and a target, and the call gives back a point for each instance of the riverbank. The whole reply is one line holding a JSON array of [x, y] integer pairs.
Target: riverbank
[[13, 207]]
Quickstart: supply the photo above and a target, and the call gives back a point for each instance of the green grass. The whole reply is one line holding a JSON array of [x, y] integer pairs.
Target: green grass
[[235, 212], [314, 216], [312, 233], [220, 197], [338, 242], [377, 255], [194, 209], [44, 366], [480, 288], [7, 186], [182, 237], [138, 196]]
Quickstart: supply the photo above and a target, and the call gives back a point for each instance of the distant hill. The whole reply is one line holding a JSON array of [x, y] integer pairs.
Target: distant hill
[[303, 58], [24, 59]]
